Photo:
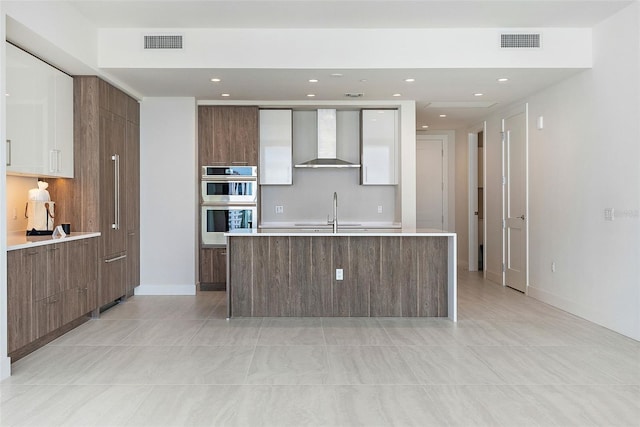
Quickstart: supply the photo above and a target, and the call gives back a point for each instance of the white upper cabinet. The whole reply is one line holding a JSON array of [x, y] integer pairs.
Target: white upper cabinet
[[379, 149], [276, 139], [39, 117]]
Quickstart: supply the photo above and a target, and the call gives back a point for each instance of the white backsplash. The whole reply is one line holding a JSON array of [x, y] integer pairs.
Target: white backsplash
[[310, 198]]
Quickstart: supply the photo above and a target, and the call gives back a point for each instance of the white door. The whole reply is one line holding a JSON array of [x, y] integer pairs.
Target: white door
[[515, 158], [473, 201], [431, 200]]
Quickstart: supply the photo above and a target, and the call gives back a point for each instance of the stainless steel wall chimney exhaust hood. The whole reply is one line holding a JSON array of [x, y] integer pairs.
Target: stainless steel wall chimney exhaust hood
[[327, 142]]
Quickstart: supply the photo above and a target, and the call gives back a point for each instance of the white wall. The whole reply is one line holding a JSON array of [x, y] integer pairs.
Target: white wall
[[5, 362], [342, 48], [461, 200], [168, 197], [16, 197], [583, 161]]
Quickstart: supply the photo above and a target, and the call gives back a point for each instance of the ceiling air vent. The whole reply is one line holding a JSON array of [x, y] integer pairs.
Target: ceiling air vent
[[163, 42], [354, 95], [519, 40]]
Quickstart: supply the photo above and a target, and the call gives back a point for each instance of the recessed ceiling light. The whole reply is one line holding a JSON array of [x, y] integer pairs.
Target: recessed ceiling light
[[443, 115], [425, 126], [363, 80], [410, 80], [478, 94], [503, 79], [225, 94], [215, 80], [7, 94], [313, 80], [336, 74], [311, 95], [397, 94]]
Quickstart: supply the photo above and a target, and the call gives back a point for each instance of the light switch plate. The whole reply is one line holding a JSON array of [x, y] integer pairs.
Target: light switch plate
[[279, 209], [379, 208], [339, 274]]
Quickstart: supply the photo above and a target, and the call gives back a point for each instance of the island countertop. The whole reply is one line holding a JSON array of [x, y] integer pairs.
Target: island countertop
[[342, 232], [21, 241]]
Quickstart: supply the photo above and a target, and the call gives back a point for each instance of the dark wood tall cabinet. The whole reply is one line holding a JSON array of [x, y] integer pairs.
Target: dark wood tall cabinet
[[227, 135], [105, 193]]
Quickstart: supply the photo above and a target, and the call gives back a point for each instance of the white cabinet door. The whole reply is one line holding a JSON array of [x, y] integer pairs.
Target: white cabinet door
[[379, 147], [26, 113], [39, 117], [62, 152], [276, 147]]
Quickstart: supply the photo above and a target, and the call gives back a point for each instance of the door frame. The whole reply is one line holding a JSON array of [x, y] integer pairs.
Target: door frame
[[523, 108], [472, 187], [444, 139]]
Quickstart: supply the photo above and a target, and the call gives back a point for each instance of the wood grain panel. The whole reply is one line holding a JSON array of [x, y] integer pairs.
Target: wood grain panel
[[364, 263], [222, 135], [342, 289], [278, 293], [242, 276], [86, 147], [261, 271], [244, 144], [133, 110], [440, 273], [386, 294], [317, 292], [432, 274], [408, 276], [132, 176], [19, 300], [300, 278], [205, 135]]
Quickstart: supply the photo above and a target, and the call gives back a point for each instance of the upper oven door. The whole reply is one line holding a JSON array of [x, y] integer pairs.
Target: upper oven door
[[229, 172], [229, 191]]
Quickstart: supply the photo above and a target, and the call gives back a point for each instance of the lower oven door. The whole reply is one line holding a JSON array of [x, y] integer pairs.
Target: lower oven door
[[217, 220]]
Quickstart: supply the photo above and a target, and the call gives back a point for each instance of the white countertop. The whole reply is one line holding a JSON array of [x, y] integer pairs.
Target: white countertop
[[306, 225], [21, 241], [343, 232]]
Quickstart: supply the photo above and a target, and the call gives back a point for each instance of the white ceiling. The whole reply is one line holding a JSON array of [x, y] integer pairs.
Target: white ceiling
[[431, 85]]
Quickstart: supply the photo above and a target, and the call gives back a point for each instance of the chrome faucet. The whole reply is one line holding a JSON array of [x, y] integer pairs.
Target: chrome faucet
[[334, 222]]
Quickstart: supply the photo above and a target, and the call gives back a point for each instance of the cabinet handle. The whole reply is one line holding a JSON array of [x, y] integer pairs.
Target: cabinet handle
[[118, 258], [8, 152], [240, 163], [223, 253], [116, 194], [54, 161]]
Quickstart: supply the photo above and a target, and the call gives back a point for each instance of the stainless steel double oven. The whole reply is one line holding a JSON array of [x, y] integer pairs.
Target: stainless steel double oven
[[229, 200]]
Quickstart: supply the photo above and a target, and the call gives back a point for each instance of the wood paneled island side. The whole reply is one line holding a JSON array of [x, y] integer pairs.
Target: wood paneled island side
[[384, 274]]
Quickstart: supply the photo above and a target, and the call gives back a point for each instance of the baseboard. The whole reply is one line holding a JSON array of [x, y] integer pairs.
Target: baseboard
[[494, 277], [463, 265], [165, 290], [570, 306]]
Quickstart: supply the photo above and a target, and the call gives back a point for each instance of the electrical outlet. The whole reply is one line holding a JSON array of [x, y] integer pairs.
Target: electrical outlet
[[553, 267], [379, 209], [15, 214], [339, 274], [279, 209]]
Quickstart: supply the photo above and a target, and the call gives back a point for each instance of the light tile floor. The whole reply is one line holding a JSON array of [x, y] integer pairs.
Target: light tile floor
[[176, 361]]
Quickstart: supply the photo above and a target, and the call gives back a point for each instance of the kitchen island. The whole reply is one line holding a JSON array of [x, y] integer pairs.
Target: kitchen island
[[385, 273]]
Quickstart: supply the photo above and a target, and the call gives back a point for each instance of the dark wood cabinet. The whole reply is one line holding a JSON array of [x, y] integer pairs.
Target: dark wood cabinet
[[48, 287], [213, 267], [19, 300], [133, 262], [228, 135], [105, 193], [80, 295]]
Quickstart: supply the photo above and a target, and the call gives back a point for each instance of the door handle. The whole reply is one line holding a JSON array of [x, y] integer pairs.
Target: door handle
[[522, 217], [475, 213], [116, 194], [8, 152]]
